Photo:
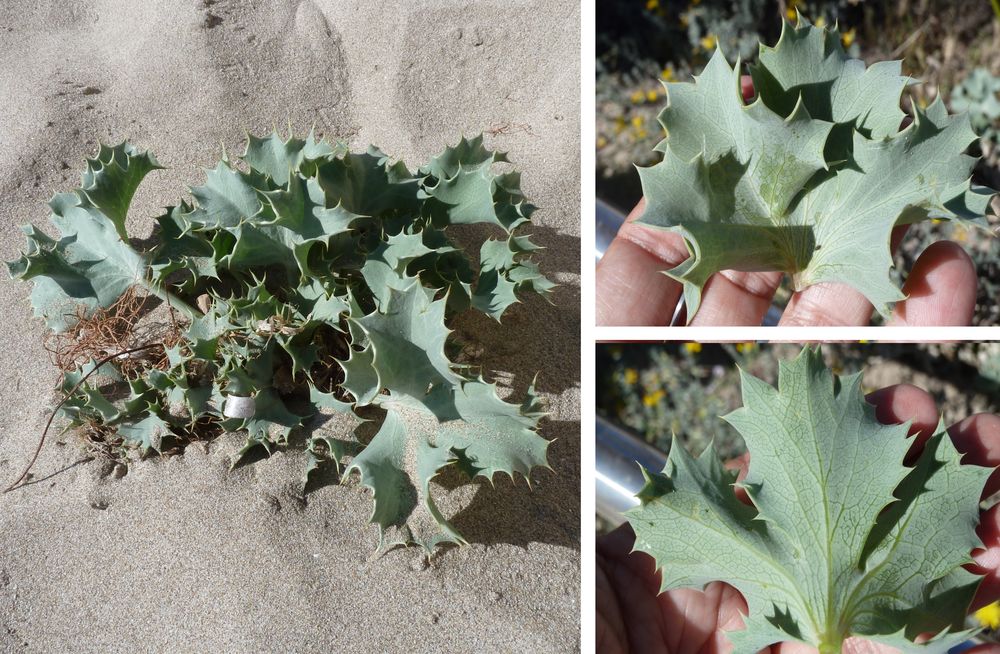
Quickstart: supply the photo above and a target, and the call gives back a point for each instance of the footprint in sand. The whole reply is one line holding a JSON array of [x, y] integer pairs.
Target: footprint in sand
[[294, 48]]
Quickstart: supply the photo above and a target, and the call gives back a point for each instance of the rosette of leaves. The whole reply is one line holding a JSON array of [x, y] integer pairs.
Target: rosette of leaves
[[812, 176], [311, 280], [840, 538]]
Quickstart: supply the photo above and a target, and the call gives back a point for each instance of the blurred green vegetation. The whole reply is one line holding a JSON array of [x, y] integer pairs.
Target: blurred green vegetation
[[655, 390]]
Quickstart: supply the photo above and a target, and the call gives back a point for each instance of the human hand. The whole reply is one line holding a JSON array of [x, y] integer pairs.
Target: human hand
[[631, 289], [632, 617]]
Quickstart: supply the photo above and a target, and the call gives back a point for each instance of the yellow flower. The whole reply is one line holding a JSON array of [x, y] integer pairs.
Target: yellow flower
[[693, 348], [641, 134], [601, 141], [651, 96], [708, 42], [652, 4], [847, 38], [668, 74], [821, 21], [637, 97], [637, 121], [631, 376], [684, 20], [989, 615], [746, 347], [652, 399], [619, 124], [790, 12]]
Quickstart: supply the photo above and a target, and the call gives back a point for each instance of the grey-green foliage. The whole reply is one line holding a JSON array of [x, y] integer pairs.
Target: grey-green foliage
[[323, 280], [812, 176], [977, 95], [840, 539]]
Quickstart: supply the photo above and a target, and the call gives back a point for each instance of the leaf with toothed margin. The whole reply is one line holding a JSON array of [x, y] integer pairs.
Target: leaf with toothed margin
[[841, 539], [147, 434], [180, 250], [503, 271], [322, 303], [469, 426], [88, 400], [360, 377], [111, 180], [277, 157], [384, 269], [270, 425], [227, 199], [367, 184], [323, 452], [406, 338], [810, 178], [435, 418], [463, 180], [301, 220], [89, 266]]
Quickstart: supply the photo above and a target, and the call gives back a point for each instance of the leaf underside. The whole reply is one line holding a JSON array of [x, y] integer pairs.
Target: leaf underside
[[812, 176], [841, 538], [317, 282]]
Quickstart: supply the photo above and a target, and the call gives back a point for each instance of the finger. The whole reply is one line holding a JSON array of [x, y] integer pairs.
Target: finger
[[987, 558], [833, 304], [736, 298], [978, 439], [988, 648], [630, 286], [695, 619], [827, 303], [618, 543], [895, 405], [941, 288]]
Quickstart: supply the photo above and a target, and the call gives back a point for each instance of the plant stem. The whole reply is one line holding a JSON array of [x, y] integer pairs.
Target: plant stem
[[66, 396], [172, 300], [831, 645]]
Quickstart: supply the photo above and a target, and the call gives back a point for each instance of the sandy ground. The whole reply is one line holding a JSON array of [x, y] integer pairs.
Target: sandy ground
[[181, 555]]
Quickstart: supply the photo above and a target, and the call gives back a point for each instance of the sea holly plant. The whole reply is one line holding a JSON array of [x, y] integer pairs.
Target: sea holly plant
[[812, 176], [840, 538], [305, 286]]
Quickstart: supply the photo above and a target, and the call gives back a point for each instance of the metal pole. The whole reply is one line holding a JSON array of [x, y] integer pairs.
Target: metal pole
[[618, 477]]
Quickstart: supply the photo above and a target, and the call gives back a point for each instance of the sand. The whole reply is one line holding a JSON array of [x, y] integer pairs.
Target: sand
[[180, 554]]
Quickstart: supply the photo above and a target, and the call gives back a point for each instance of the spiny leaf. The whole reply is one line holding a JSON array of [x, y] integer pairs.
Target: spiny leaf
[[462, 178], [278, 158], [89, 266], [111, 180], [227, 199], [449, 418], [841, 540], [147, 434], [811, 177]]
